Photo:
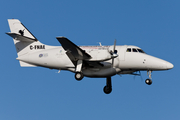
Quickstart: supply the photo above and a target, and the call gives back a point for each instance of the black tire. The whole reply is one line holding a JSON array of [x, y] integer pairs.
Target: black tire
[[148, 81], [107, 90], [79, 76]]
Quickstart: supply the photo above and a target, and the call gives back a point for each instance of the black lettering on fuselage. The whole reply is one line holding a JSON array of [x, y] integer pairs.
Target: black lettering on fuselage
[[37, 47], [31, 47]]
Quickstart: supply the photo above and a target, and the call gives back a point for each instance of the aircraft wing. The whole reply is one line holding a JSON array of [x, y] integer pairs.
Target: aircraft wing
[[73, 51]]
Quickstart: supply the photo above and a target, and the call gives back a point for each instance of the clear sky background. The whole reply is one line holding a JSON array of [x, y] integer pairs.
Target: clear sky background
[[43, 94]]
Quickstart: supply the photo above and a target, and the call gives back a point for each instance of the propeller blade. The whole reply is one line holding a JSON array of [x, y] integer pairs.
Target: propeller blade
[[114, 45], [114, 48]]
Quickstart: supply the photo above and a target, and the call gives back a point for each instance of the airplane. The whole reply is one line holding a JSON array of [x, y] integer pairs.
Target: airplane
[[85, 61]]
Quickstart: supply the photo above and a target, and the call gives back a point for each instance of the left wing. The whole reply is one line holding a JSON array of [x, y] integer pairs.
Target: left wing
[[73, 51]]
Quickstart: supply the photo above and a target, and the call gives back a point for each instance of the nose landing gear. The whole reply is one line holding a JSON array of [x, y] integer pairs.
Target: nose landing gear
[[149, 80]]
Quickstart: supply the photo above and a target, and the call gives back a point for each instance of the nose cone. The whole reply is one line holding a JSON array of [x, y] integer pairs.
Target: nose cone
[[169, 65], [154, 63]]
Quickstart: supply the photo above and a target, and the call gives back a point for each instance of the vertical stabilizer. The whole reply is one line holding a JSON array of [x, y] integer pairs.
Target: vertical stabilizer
[[17, 27]]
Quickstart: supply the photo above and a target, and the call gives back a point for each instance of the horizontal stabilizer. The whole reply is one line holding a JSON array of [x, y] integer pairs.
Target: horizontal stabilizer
[[21, 38], [24, 64]]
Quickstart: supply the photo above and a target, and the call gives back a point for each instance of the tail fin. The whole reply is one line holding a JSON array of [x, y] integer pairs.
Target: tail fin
[[18, 28], [23, 39]]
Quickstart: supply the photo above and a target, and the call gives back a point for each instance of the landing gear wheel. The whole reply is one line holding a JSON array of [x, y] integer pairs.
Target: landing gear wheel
[[148, 81], [107, 90], [79, 76]]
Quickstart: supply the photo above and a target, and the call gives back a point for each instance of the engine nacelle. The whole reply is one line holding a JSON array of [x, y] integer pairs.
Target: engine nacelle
[[99, 72], [99, 54]]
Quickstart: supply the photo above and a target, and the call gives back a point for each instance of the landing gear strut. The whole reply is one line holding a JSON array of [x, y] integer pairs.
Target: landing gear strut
[[149, 80], [108, 88], [79, 75]]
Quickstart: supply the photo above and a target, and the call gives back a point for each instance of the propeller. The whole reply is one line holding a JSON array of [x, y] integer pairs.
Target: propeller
[[114, 52], [114, 45]]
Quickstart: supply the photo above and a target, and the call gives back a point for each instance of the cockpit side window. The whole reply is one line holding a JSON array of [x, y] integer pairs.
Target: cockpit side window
[[128, 50], [141, 51], [134, 50]]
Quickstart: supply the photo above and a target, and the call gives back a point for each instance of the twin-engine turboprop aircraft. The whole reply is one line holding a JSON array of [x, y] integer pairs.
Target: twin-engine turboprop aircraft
[[90, 61]]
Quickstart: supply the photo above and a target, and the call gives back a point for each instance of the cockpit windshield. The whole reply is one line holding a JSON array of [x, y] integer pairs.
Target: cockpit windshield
[[135, 50], [141, 51], [128, 50]]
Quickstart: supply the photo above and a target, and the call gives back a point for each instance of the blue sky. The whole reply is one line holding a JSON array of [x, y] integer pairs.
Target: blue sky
[[40, 93]]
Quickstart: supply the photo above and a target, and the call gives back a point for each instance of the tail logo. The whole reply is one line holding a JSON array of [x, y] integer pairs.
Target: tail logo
[[21, 32]]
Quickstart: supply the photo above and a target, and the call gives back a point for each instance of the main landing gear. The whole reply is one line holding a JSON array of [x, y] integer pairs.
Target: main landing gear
[[149, 81], [108, 88], [79, 76]]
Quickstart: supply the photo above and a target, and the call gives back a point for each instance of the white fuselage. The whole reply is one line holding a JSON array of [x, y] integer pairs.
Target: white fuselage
[[89, 61], [125, 63]]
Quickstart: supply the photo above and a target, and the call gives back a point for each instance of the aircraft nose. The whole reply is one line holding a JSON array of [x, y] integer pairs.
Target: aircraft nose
[[169, 65]]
